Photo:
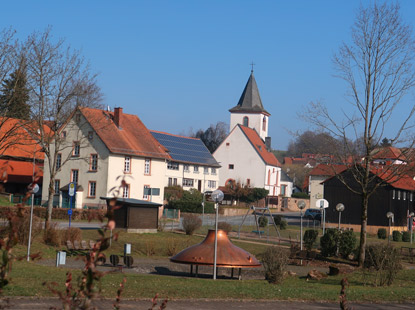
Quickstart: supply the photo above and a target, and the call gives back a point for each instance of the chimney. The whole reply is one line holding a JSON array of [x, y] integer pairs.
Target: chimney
[[118, 117], [268, 143]]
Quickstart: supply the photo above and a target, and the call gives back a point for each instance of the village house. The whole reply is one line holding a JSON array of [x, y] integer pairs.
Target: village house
[[191, 164], [245, 155], [108, 154]]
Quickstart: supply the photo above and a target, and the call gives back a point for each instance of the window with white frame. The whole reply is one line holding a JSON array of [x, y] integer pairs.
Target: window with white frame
[[175, 182], [58, 161], [196, 169], [188, 182], [399, 195], [170, 182], [206, 170], [212, 184], [213, 171], [92, 189], [76, 148], [94, 162], [172, 165], [186, 168], [74, 175], [146, 196], [393, 194], [147, 166], [283, 190], [404, 195], [411, 196], [57, 187], [126, 191], [127, 164]]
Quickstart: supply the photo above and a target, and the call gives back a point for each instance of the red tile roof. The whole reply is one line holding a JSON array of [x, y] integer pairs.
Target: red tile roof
[[389, 152], [259, 145], [19, 171], [133, 138], [16, 142], [327, 170]]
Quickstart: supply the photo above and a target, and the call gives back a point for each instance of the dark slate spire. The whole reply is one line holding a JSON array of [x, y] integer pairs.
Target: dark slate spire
[[250, 100]]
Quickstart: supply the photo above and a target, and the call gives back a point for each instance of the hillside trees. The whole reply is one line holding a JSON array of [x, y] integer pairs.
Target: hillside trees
[[378, 69], [213, 136]]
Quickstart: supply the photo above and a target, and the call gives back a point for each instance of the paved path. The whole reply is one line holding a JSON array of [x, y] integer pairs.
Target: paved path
[[46, 303]]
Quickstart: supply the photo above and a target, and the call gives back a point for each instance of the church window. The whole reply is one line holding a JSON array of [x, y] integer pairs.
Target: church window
[[231, 166], [264, 124], [246, 121]]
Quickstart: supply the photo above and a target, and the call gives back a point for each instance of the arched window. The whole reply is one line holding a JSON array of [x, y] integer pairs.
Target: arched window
[[264, 124], [246, 121]]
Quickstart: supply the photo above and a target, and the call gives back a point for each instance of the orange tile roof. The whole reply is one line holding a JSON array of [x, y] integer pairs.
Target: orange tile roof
[[20, 171], [132, 139], [389, 152], [259, 145], [15, 140]]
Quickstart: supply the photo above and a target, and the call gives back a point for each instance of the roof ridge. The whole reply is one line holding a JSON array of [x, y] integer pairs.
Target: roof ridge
[[174, 135]]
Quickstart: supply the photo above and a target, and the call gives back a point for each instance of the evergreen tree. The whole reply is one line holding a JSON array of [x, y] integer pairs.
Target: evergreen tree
[[15, 95]]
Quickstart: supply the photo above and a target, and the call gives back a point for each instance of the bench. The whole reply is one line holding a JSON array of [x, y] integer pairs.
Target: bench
[[407, 251]]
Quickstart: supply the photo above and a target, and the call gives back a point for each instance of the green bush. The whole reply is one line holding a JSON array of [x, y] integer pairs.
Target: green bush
[[300, 195], [384, 261], [406, 236], [277, 219], [262, 221], [347, 243], [328, 242], [310, 238], [275, 261], [191, 202], [396, 236], [283, 224], [382, 233]]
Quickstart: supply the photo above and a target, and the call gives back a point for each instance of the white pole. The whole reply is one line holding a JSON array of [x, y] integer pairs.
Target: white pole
[[31, 207], [216, 240], [340, 216], [301, 230]]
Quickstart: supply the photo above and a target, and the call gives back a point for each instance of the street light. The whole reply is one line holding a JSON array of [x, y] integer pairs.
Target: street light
[[411, 225], [301, 205], [217, 196], [390, 215], [340, 209]]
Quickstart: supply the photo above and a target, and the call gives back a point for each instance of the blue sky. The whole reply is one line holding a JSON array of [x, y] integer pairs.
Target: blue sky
[[180, 65]]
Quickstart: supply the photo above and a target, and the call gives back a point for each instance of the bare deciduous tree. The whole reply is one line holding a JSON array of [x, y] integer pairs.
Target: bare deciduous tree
[[59, 81], [378, 68]]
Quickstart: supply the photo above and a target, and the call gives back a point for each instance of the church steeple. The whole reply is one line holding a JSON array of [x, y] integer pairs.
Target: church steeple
[[250, 101], [249, 111]]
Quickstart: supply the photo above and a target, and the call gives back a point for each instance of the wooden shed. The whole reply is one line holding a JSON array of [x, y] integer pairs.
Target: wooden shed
[[134, 215]]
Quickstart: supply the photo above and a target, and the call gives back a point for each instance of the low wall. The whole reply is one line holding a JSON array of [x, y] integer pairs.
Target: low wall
[[373, 230]]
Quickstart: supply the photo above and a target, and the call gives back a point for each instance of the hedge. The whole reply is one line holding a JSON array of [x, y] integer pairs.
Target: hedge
[[57, 213]]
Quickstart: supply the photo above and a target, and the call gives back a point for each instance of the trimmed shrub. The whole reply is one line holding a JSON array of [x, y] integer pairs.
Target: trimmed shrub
[[262, 221], [277, 219], [347, 243], [300, 195], [225, 226], [328, 242], [71, 234], [283, 224], [275, 262], [384, 261], [51, 236], [382, 233], [406, 236], [57, 213], [191, 223], [310, 238], [396, 236]]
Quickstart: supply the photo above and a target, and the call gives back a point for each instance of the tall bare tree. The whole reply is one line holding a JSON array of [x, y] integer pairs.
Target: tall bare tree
[[378, 68], [59, 80]]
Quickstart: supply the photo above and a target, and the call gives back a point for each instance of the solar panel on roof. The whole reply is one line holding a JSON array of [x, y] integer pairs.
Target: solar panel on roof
[[186, 149]]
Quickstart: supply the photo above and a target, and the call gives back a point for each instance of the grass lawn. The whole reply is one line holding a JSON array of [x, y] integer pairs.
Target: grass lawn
[[27, 278]]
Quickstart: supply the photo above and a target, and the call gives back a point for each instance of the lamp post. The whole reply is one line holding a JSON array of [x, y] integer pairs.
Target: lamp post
[[340, 209], [301, 205], [217, 196], [389, 215], [411, 226]]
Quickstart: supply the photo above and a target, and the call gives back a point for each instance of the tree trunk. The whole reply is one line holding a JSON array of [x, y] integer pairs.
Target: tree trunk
[[51, 192], [363, 229]]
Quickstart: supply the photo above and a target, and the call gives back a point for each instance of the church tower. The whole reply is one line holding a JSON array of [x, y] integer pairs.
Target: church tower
[[249, 111]]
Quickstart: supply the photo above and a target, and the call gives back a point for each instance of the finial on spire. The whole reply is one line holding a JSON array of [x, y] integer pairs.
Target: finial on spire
[[252, 67]]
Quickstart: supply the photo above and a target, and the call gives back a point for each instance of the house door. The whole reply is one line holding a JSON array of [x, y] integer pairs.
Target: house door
[[199, 185]]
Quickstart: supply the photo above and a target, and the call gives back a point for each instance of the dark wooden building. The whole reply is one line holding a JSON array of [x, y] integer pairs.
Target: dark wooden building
[[397, 197], [137, 216]]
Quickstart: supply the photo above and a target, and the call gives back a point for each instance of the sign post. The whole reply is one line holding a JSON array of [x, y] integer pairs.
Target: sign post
[[323, 204], [71, 193], [34, 189]]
